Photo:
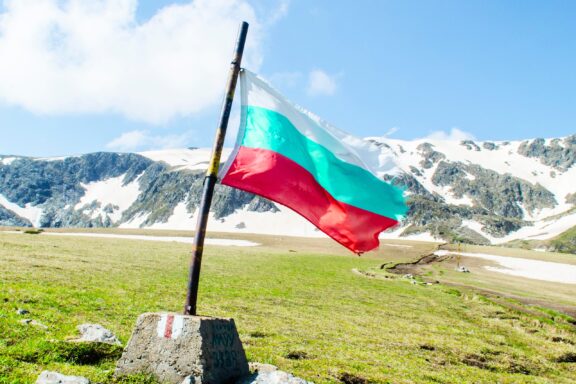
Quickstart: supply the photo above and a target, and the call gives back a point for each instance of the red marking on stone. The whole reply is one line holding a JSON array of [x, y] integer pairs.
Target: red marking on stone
[[168, 328]]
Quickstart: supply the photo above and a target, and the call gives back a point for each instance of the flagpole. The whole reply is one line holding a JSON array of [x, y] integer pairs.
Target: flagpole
[[212, 174]]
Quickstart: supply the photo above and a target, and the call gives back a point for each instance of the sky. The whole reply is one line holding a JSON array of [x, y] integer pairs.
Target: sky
[[79, 76]]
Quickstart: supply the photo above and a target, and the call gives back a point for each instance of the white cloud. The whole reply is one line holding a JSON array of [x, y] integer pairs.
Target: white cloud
[[280, 12], [455, 134], [140, 140], [128, 141], [391, 131], [285, 79], [92, 56], [321, 83]]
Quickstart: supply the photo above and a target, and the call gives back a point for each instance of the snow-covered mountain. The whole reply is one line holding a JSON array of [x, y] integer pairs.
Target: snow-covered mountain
[[480, 192]]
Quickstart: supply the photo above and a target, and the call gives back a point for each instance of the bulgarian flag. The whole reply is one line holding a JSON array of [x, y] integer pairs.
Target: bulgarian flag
[[286, 154]]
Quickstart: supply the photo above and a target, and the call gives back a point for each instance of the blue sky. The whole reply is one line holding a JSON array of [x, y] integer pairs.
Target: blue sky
[[122, 75]]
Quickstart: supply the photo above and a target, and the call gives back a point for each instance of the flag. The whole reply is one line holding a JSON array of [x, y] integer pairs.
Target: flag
[[290, 156]]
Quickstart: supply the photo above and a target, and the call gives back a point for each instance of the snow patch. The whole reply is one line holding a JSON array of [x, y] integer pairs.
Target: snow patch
[[424, 236], [168, 239], [180, 219], [451, 199], [7, 160], [136, 222], [531, 269], [284, 222], [397, 245], [29, 212], [109, 191], [58, 158], [192, 159], [541, 230]]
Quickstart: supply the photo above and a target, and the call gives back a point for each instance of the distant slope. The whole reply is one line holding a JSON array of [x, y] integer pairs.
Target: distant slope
[[474, 192]]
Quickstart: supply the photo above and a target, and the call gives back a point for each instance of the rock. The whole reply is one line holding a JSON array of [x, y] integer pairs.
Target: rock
[[470, 145], [48, 377], [261, 367], [97, 334], [274, 377], [489, 146], [21, 311], [429, 155], [33, 322], [190, 380], [559, 154]]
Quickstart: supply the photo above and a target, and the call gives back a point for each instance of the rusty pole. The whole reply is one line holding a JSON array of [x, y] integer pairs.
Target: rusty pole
[[212, 174]]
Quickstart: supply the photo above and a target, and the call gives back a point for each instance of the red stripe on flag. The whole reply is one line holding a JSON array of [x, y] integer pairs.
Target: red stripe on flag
[[168, 328], [280, 179]]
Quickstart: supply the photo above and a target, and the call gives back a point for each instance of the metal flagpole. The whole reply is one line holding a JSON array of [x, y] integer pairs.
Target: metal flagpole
[[212, 174]]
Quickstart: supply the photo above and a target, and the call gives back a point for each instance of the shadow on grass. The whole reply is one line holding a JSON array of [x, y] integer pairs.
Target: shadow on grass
[[70, 352]]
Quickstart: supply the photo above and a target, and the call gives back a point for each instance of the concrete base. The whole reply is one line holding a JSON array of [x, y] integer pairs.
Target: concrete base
[[172, 347]]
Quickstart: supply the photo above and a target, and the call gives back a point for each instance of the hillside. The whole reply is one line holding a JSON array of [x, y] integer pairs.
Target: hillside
[[468, 191]]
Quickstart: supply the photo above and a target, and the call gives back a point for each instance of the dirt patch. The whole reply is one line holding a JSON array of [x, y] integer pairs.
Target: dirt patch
[[569, 357], [348, 378], [477, 361], [415, 266], [297, 355], [427, 347], [363, 273], [518, 368], [558, 339], [258, 335]]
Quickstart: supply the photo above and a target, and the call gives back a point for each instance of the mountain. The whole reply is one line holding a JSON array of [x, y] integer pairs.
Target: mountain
[[467, 191]]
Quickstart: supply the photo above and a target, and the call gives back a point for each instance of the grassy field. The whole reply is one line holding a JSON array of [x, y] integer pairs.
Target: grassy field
[[297, 303]]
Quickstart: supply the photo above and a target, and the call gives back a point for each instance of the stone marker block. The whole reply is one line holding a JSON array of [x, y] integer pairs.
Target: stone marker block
[[172, 347]]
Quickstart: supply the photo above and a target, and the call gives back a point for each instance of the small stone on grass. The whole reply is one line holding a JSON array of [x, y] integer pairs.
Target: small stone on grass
[[34, 323], [48, 377], [97, 334], [274, 377]]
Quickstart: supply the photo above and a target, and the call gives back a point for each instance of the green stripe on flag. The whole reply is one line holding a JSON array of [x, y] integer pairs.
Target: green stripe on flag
[[346, 182]]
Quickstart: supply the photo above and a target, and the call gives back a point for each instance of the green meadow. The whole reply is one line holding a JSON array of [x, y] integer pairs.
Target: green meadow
[[304, 305]]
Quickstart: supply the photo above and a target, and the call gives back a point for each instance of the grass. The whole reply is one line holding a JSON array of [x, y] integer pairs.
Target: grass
[[566, 241], [296, 302]]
